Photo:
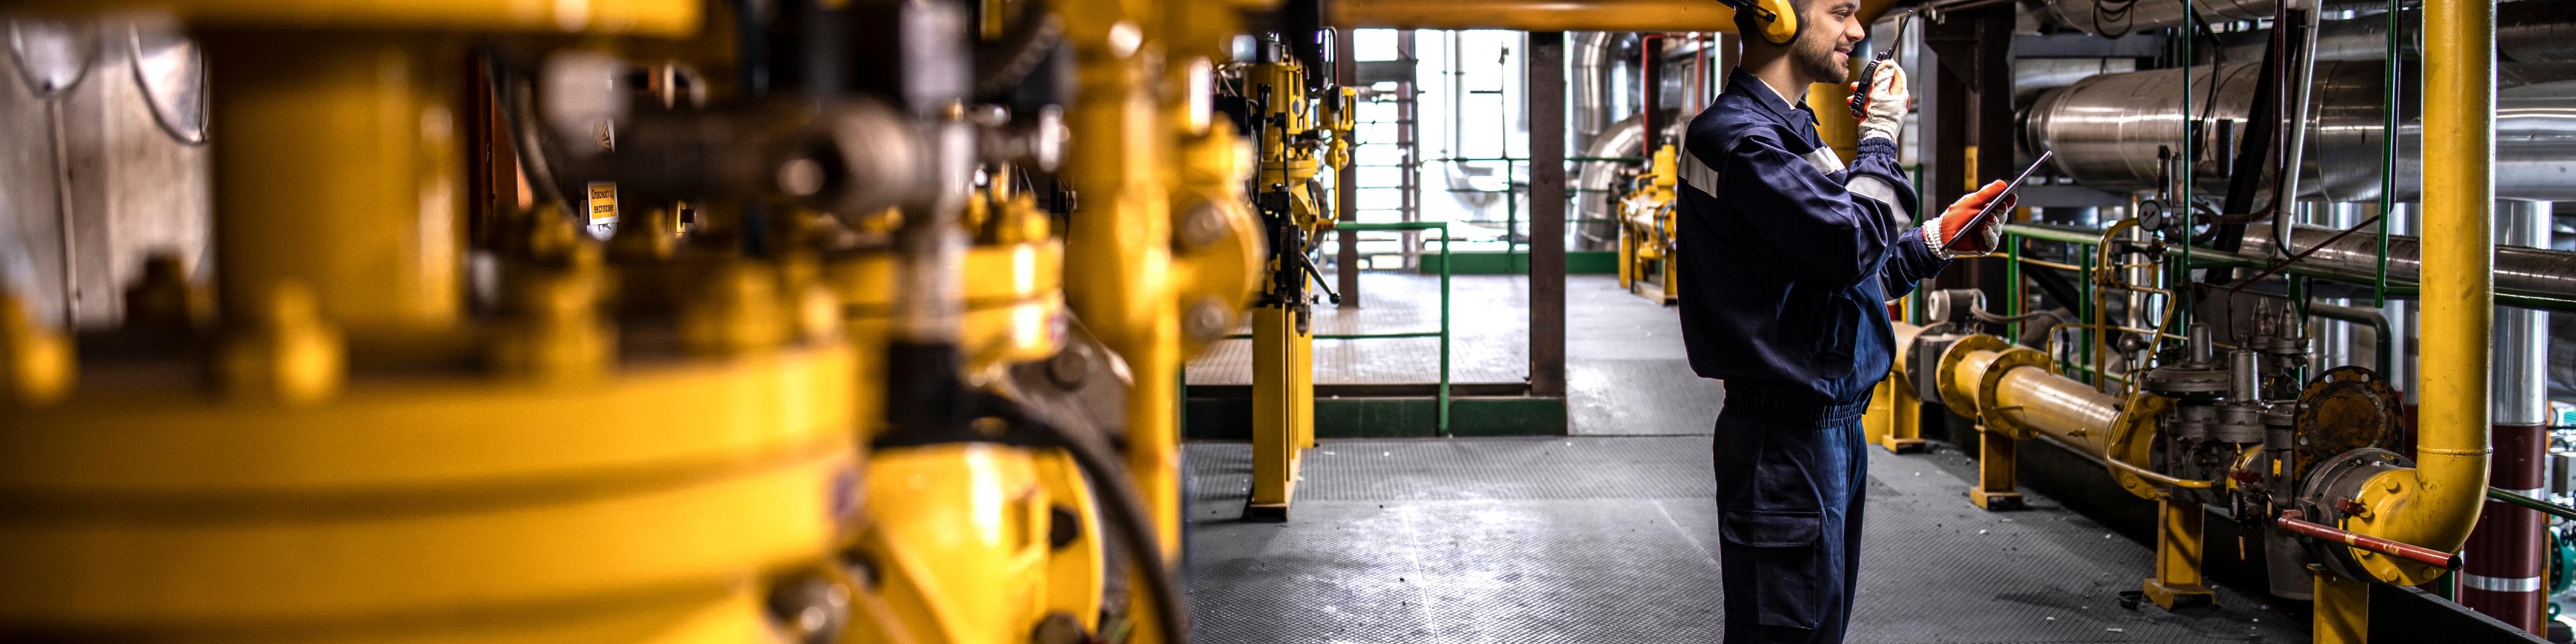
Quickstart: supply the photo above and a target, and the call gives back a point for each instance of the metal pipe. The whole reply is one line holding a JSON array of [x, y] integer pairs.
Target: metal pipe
[[2055, 407], [2383, 339], [2089, 15], [2526, 32], [2504, 579], [2294, 521], [2522, 337], [2544, 507], [2106, 130], [1594, 68], [2066, 409], [2435, 503], [1528, 15], [2294, 152], [1549, 15], [1593, 179], [2518, 270], [2158, 478]]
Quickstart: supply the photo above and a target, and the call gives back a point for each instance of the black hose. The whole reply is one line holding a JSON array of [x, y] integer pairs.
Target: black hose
[[519, 113]]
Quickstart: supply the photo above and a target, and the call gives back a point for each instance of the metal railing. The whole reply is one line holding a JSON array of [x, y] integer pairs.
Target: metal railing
[[1348, 227]]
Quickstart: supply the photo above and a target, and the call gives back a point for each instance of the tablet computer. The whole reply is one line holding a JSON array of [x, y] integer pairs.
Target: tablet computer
[[1990, 211]]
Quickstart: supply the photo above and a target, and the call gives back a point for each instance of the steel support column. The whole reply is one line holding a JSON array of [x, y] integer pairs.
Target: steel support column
[[1546, 92], [1945, 54], [1996, 125]]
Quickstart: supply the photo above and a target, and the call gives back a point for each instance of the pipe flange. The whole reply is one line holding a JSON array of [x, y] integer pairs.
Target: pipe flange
[[2132, 439], [1963, 403], [2344, 409], [2332, 493], [1989, 409]]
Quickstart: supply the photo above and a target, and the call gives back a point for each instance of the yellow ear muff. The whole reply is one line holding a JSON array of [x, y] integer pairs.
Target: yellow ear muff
[[1780, 21]]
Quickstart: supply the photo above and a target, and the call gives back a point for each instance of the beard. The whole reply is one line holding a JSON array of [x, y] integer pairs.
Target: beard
[[1814, 59]]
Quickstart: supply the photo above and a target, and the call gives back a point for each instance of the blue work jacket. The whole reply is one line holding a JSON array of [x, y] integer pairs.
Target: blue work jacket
[[1788, 257]]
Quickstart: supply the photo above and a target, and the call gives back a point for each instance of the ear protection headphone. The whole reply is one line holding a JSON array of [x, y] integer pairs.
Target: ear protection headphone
[[1779, 20]]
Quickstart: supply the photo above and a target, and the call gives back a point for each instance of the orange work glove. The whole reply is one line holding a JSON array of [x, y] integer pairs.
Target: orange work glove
[[1985, 239]]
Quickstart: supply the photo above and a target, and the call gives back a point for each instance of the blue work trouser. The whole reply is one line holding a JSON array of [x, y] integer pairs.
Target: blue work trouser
[[1790, 484]]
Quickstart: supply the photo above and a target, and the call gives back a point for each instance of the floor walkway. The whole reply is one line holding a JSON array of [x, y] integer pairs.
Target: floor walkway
[[1605, 536], [1608, 539]]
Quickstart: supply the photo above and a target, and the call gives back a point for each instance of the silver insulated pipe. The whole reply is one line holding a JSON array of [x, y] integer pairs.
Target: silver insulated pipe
[[1593, 182], [2519, 270], [2107, 131], [1599, 69], [2534, 34], [2117, 18]]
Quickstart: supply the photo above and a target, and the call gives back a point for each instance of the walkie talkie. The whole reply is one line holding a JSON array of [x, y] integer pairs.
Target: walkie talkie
[[1869, 73]]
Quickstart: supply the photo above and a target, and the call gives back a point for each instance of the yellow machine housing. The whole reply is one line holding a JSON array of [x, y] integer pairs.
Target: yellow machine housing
[[645, 440]]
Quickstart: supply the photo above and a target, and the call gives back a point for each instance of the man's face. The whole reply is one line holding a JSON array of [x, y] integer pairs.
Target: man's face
[[1822, 53]]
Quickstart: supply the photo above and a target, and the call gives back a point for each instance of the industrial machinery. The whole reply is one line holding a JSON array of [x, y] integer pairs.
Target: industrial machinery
[[2185, 332], [1299, 125], [1645, 210], [882, 344]]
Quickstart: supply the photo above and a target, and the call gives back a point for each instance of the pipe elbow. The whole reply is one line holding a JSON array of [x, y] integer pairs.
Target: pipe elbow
[[2434, 504]]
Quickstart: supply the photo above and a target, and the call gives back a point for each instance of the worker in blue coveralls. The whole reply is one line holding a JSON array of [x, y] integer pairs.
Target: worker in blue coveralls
[[1788, 259]]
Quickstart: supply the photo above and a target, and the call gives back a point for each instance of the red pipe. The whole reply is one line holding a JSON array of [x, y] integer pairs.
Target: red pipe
[[2504, 581], [1647, 93], [2296, 522]]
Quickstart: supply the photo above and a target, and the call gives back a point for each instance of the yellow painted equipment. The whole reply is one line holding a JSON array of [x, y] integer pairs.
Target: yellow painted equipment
[[1646, 239], [2014, 397], [1894, 419], [644, 440], [355, 459], [1296, 134]]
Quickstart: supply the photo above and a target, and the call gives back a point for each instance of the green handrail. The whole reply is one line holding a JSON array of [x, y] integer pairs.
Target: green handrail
[[1443, 227], [2012, 288], [2529, 503]]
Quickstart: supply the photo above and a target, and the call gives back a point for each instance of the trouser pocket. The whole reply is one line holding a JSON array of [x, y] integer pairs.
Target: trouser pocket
[[1791, 580]]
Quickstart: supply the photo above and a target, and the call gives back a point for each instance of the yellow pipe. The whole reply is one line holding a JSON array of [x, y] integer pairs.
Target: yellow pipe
[[2026, 398], [2103, 280], [1536, 15], [2435, 504], [644, 17], [2064, 409], [1834, 122], [1550, 15]]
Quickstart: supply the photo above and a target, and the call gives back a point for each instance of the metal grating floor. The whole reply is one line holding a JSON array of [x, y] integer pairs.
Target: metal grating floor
[[1624, 368], [1605, 539]]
